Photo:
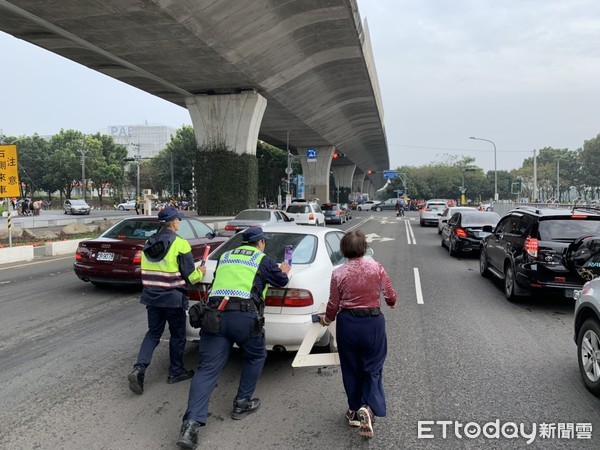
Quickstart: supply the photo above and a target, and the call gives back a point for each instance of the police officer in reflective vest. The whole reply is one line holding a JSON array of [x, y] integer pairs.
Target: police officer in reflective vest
[[167, 265], [242, 277]]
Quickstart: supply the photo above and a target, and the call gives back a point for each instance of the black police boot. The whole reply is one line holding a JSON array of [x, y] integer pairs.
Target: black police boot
[[243, 407], [188, 436], [136, 381], [185, 375]]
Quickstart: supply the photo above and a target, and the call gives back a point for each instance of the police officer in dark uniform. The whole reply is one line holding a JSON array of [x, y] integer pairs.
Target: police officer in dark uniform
[[167, 265], [238, 290]]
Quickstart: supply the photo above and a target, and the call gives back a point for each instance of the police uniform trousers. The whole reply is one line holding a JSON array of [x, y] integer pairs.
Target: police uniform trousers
[[157, 319], [362, 348], [214, 352]]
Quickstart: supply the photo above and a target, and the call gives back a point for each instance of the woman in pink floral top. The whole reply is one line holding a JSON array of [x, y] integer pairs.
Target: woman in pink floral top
[[355, 300]]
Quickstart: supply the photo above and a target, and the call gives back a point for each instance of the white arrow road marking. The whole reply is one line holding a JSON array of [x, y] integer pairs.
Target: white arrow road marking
[[371, 237], [418, 286]]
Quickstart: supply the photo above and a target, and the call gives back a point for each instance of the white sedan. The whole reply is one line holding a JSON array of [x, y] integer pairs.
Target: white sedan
[[289, 310]]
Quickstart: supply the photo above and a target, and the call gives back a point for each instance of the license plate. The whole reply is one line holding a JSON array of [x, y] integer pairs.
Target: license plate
[[105, 256], [577, 294], [570, 293]]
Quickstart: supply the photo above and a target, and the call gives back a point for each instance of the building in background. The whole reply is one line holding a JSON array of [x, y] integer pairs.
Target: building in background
[[151, 139]]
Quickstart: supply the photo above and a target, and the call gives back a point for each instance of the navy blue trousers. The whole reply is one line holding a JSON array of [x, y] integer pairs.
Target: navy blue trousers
[[214, 352], [362, 347], [157, 319]]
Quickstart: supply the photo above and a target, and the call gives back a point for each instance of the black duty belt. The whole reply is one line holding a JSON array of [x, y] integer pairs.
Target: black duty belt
[[362, 312], [234, 304]]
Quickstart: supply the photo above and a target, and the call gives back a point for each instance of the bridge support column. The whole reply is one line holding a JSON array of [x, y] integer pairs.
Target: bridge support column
[[316, 173], [232, 120], [343, 177], [357, 183]]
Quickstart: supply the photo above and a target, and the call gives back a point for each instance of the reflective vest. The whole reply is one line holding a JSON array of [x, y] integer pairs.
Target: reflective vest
[[165, 273], [236, 272]]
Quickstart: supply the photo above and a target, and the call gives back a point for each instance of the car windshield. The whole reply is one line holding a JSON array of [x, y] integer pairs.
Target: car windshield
[[567, 228], [479, 219], [298, 209], [132, 229], [304, 246], [253, 215], [78, 203]]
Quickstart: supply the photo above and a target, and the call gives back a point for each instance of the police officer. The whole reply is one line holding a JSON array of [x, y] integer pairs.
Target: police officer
[[242, 276], [167, 265]]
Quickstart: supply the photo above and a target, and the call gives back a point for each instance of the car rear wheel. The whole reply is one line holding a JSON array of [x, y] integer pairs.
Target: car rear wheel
[[452, 248], [378, 209], [121, 208], [588, 355], [483, 264], [421, 223], [510, 284]]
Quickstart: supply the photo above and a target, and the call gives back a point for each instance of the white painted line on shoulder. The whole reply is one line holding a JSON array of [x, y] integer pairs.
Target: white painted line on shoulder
[[410, 237], [418, 290]]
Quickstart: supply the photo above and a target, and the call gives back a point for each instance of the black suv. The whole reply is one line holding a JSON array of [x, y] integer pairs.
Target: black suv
[[533, 249]]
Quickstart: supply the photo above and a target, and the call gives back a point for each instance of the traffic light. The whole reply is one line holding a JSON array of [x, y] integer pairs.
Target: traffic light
[[369, 172], [336, 155]]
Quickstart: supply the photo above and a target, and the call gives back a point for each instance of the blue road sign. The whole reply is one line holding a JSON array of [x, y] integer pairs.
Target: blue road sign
[[387, 174], [311, 153]]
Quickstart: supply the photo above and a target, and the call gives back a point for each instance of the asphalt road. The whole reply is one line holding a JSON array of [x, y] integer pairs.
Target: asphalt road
[[457, 352]]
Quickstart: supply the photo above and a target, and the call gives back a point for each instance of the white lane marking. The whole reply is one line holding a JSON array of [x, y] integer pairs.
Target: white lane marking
[[418, 286], [410, 237]]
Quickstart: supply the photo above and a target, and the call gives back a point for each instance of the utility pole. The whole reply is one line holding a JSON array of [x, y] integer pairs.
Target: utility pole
[[83, 151], [173, 175], [535, 196], [137, 158], [288, 169]]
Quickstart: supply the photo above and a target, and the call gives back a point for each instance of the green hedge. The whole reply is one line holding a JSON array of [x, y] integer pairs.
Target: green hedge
[[226, 182]]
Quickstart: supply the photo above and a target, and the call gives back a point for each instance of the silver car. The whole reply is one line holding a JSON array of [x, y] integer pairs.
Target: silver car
[[431, 212], [587, 334], [257, 218], [76, 206]]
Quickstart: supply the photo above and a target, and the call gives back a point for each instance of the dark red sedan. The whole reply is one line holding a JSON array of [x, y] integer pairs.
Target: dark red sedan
[[115, 256]]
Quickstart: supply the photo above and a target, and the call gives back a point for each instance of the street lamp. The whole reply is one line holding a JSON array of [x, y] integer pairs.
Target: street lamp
[[83, 151], [137, 158], [495, 167]]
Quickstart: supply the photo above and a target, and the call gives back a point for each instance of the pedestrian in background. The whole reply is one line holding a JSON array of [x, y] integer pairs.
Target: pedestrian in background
[[167, 265], [243, 275], [355, 301]]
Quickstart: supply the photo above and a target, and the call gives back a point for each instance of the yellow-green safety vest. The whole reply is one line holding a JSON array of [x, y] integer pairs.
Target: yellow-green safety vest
[[236, 272], [165, 273]]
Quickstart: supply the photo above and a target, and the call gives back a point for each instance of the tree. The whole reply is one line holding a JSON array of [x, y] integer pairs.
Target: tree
[[107, 170]]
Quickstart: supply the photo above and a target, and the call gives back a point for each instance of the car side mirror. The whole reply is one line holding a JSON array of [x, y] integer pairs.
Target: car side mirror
[[291, 219], [487, 228], [212, 235], [369, 252]]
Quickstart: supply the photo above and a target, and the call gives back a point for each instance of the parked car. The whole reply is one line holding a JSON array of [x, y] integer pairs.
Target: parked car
[[431, 212], [536, 249], [587, 334], [115, 256], [334, 213], [388, 205], [257, 218], [448, 212], [126, 206], [464, 230], [289, 310], [76, 206], [306, 213], [366, 206]]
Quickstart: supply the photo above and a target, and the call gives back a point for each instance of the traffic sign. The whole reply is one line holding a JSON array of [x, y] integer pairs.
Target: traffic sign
[[311, 153], [9, 171], [387, 174]]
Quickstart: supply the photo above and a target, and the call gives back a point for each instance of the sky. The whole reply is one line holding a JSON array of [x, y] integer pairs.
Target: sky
[[524, 74]]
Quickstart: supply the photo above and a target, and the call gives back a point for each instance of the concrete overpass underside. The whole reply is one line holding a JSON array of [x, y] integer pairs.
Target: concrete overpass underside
[[309, 59]]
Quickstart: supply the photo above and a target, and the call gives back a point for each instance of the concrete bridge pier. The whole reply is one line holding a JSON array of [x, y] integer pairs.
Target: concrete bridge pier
[[343, 176], [230, 119], [316, 173], [357, 182]]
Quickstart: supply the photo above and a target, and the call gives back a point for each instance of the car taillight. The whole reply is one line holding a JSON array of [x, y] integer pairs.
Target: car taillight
[[230, 228], [288, 298], [137, 259], [199, 292], [78, 256], [579, 216], [531, 247], [311, 216], [460, 232]]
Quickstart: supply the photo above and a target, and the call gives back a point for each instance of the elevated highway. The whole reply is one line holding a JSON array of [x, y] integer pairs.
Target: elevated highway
[[246, 70]]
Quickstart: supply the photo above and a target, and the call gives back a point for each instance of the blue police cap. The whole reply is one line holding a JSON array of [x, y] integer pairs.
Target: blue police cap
[[253, 234], [169, 213]]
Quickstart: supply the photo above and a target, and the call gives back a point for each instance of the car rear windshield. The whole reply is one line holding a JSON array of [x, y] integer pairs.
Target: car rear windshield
[[304, 247], [329, 207], [253, 215], [298, 209], [436, 206], [568, 228], [129, 229], [478, 219]]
